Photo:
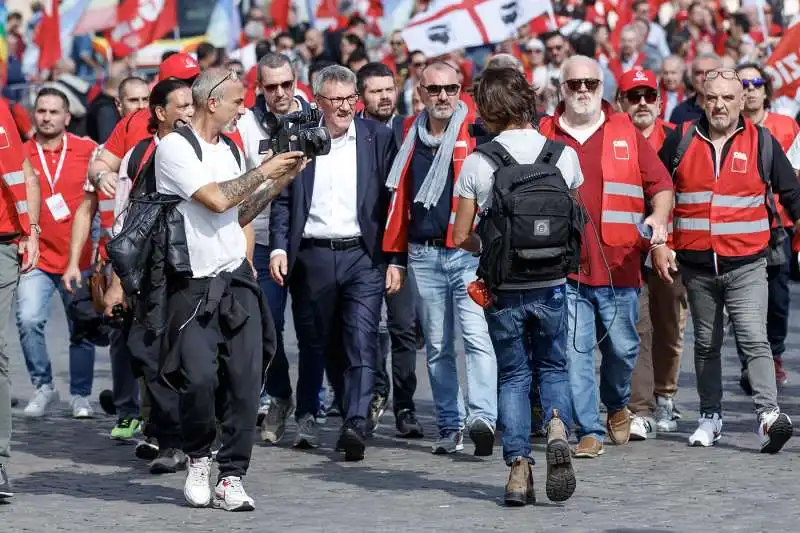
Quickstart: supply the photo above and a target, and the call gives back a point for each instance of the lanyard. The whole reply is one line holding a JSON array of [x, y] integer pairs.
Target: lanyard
[[52, 180]]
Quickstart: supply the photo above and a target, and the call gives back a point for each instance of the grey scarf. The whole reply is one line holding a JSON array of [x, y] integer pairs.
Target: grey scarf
[[434, 184]]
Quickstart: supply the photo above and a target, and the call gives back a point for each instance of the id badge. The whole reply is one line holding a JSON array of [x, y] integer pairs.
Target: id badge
[[739, 163], [58, 207], [621, 151]]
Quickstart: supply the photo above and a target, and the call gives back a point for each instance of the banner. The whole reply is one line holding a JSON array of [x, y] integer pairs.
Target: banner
[[100, 15], [47, 35], [784, 64], [448, 25], [140, 22]]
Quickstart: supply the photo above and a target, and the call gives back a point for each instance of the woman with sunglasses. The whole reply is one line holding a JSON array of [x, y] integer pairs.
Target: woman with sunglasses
[[758, 96]]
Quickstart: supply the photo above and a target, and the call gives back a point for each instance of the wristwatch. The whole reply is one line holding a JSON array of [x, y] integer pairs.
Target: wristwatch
[[35, 228]]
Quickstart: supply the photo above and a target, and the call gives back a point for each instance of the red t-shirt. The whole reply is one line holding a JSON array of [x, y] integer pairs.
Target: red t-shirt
[[128, 131], [11, 157], [54, 240], [625, 263]]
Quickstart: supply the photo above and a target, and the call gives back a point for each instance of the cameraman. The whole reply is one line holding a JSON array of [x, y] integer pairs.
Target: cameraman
[[214, 326], [527, 321], [278, 83]]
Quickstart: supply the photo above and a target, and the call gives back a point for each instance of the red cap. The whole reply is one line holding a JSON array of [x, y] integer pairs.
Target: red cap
[[638, 78], [180, 66]]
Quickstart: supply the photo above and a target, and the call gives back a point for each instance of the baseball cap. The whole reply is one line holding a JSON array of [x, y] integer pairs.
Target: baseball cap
[[180, 66], [535, 44], [638, 78]]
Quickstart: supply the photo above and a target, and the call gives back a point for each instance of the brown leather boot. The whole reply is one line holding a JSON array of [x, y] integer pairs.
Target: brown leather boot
[[618, 426], [560, 475], [519, 489]]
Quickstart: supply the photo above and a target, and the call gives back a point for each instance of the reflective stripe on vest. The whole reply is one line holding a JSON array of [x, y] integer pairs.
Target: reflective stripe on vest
[[14, 178]]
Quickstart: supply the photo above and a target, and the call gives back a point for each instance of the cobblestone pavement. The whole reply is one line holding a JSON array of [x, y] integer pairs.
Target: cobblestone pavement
[[69, 476]]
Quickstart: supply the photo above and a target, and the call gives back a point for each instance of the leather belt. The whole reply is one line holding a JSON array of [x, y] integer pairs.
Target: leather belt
[[435, 243], [333, 244]]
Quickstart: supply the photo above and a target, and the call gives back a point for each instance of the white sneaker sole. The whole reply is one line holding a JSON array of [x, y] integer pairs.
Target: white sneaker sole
[[697, 443], [197, 505], [220, 503]]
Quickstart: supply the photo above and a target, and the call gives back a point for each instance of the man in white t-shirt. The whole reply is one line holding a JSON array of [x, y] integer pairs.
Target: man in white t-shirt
[[523, 306], [214, 330]]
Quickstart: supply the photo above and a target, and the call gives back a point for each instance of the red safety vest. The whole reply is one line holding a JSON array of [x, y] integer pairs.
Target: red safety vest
[[395, 238], [623, 196], [659, 134], [726, 213], [785, 129]]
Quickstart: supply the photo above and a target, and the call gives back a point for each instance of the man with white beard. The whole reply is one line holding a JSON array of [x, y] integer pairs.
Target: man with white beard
[[604, 295]]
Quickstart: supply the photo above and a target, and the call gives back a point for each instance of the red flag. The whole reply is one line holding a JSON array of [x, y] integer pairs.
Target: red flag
[[48, 36], [624, 17], [784, 66], [279, 11], [140, 22]]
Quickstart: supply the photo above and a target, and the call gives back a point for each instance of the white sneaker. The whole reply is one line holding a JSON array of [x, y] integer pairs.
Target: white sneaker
[[44, 396], [230, 495], [642, 427], [774, 430], [665, 415], [708, 431], [81, 408], [196, 490]]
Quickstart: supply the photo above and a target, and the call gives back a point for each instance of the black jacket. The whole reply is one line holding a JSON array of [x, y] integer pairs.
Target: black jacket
[[101, 117], [782, 178]]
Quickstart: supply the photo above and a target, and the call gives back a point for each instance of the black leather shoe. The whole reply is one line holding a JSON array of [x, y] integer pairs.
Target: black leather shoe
[[408, 427], [351, 442], [5, 486]]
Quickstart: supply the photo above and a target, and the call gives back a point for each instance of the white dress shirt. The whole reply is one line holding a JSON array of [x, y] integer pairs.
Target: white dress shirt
[[334, 211]]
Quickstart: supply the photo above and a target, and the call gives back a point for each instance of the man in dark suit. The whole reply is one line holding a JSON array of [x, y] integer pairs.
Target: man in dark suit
[[325, 233]]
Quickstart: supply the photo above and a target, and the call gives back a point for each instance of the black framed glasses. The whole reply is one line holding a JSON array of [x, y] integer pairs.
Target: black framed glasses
[[230, 76], [338, 102], [591, 84], [755, 83], [725, 74], [634, 97], [435, 90], [272, 87]]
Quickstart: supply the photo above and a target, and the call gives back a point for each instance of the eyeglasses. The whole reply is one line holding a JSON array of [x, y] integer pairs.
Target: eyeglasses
[[230, 76], [725, 74], [634, 97], [272, 87], [418, 64], [756, 83], [591, 84], [338, 102], [436, 90]]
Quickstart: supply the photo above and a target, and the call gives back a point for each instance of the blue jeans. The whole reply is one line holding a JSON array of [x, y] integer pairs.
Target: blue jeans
[[529, 334], [599, 317], [441, 277], [33, 309]]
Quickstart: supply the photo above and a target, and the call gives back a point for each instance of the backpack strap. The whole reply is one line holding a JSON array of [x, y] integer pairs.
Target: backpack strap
[[683, 145], [496, 153], [186, 133], [551, 152], [667, 129], [234, 149], [764, 169]]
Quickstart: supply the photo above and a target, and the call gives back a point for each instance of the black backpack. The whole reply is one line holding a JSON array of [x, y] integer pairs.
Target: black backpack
[[532, 230]]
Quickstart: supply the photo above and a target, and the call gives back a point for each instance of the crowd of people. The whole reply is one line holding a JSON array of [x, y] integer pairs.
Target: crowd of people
[[558, 197]]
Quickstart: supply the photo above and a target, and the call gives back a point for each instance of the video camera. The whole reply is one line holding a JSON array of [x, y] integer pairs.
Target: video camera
[[299, 131]]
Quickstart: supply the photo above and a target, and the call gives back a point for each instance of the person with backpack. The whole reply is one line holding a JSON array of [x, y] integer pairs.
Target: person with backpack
[[522, 185], [727, 171], [626, 193], [662, 306]]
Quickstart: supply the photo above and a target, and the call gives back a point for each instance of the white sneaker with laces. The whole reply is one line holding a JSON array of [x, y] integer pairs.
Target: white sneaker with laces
[[196, 489], [229, 495], [81, 408], [774, 430], [642, 427], [44, 396], [708, 432], [665, 415]]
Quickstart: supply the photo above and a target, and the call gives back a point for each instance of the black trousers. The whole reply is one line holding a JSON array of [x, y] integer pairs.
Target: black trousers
[[221, 373], [336, 299], [401, 323]]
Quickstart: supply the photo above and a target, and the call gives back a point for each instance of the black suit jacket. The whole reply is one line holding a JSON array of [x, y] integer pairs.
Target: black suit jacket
[[375, 153]]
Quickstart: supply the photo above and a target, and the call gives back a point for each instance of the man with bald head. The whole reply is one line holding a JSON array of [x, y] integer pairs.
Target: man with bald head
[[614, 194], [423, 178], [722, 239], [693, 108], [671, 86]]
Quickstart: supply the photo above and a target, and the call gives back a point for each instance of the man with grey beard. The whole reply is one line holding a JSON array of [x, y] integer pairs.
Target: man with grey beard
[[605, 292]]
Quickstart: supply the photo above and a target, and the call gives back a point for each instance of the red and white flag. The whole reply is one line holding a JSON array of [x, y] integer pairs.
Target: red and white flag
[[784, 64], [48, 35], [448, 25], [140, 22]]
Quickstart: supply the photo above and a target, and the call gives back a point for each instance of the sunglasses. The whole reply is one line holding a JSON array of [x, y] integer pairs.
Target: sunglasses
[[634, 97], [724, 74], [338, 102], [272, 87], [436, 90], [590, 84], [418, 64], [230, 76], [756, 83]]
